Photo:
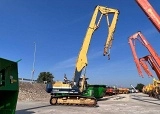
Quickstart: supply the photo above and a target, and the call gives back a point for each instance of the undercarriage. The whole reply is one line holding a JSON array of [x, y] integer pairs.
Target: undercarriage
[[76, 100]]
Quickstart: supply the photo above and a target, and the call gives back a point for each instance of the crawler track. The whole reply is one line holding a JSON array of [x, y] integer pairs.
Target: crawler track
[[74, 101]]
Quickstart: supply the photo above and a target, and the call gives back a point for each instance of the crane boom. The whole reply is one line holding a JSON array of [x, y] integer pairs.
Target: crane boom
[[139, 36], [82, 57], [150, 12], [144, 65], [153, 65]]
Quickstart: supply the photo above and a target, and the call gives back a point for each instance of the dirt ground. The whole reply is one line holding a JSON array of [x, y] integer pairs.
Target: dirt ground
[[135, 103]]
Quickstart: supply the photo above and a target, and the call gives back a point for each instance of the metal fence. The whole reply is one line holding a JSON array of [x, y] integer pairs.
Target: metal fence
[[26, 80]]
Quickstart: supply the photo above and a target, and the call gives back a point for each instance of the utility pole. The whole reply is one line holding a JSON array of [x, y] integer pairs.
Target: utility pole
[[32, 74]]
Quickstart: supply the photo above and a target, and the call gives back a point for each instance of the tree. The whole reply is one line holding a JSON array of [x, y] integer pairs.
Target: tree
[[45, 76], [139, 87]]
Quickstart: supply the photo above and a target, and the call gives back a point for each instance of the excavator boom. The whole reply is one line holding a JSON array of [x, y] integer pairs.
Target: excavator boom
[[136, 60], [152, 63], [139, 36], [94, 24], [150, 12], [153, 59], [144, 65]]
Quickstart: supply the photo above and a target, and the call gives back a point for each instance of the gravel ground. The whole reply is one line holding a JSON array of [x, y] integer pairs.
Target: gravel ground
[[32, 92], [135, 103]]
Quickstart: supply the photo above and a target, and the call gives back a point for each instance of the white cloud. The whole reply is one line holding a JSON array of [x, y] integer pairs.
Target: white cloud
[[94, 54], [66, 63], [70, 62]]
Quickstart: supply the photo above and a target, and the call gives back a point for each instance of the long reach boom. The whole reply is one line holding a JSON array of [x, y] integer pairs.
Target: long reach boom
[[94, 25], [153, 58], [150, 12]]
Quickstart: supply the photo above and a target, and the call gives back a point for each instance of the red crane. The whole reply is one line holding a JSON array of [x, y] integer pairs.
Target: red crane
[[151, 62], [150, 12], [153, 58], [143, 62]]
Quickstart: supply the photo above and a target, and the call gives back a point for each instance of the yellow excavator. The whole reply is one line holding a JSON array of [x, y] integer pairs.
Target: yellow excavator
[[76, 92], [155, 92], [148, 89]]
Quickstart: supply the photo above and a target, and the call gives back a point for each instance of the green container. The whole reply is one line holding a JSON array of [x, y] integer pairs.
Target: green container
[[97, 91], [9, 86]]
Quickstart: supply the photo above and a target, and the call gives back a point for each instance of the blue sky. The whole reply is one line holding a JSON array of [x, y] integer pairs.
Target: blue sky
[[58, 27]]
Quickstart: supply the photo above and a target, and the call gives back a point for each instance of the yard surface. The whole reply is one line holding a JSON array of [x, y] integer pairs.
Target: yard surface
[[134, 103]]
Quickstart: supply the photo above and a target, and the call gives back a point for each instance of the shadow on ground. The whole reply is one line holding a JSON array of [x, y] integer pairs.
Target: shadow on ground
[[27, 111], [114, 97], [24, 112], [147, 100], [142, 97], [105, 98]]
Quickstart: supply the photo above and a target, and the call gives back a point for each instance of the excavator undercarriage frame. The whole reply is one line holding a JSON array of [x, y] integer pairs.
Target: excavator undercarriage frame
[[73, 100]]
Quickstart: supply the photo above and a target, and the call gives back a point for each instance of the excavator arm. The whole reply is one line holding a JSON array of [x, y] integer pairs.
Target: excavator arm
[[111, 29], [150, 12], [139, 36], [143, 62], [136, 60], [153, 59], [153, 65], [94, 24]]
